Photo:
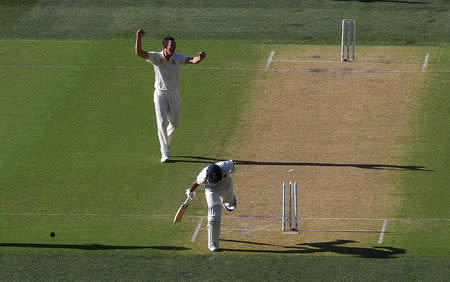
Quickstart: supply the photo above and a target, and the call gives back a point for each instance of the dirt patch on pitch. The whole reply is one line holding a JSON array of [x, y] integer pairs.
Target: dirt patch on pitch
[[338, 129]]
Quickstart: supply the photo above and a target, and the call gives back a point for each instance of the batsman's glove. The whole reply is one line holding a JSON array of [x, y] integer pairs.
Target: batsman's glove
[[233, 167], [191, 195]]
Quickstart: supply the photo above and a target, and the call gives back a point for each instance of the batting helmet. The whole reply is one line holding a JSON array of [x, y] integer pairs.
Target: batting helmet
[[214, 174]]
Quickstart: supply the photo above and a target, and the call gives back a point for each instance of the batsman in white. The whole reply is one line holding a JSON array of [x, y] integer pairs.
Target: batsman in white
[[218, 191], [166, 98]]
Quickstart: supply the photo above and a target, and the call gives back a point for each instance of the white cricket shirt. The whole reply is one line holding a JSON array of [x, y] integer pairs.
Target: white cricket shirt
[[166, 71], [227, 168]]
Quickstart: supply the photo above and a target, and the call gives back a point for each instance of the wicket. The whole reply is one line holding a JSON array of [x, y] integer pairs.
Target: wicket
[[293, 214], [348, 26]]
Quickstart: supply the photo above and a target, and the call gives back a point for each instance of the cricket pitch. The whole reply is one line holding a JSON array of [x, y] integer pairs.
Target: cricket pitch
[[339, 129]]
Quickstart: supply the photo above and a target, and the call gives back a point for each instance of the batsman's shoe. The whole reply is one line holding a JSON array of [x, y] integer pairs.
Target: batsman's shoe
[[229, 206]]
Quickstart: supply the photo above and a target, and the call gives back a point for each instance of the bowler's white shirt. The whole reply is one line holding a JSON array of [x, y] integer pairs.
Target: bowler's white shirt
[[166, 71]]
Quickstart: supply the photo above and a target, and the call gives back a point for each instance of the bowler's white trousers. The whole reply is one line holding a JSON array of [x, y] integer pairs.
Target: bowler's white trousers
[[167, 110]]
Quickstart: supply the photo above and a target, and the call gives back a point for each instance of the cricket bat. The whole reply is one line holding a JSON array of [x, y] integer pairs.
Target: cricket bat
[[181, 211]]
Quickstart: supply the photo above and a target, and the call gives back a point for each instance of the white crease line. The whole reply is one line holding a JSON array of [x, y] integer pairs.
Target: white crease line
[[305, 61], [313, 70], [199, 225], [225, 217], [83, 215], [390, 63], [342, 218], [300, 230], [425, 63], [307, 218], [72, 66], [347, 71], [269, 61], [383, 230], [345, 230]]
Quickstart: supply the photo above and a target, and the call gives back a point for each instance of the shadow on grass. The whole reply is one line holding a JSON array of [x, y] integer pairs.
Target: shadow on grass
[[206, 160], [337, 247], [388, 1], [91, 247]]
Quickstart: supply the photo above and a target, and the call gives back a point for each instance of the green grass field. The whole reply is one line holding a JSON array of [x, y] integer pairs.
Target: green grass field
[[421, 22], [426, 195], [80, 156]]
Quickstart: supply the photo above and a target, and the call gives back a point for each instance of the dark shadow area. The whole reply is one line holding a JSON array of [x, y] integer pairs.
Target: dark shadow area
[[206, 160], [90, 247], [387, 1], [337, 247]]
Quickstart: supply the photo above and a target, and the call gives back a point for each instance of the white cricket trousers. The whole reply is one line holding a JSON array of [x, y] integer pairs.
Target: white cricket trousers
[[215, 209], [167, 110]]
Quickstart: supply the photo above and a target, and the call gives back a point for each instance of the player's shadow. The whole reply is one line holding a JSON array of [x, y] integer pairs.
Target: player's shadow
[[337, 247], [90, 247], [389, 1], [200, 159]]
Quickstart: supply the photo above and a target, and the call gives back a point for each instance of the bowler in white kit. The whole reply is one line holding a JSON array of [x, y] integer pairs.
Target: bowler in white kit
[[166, 98], [219, 191]]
